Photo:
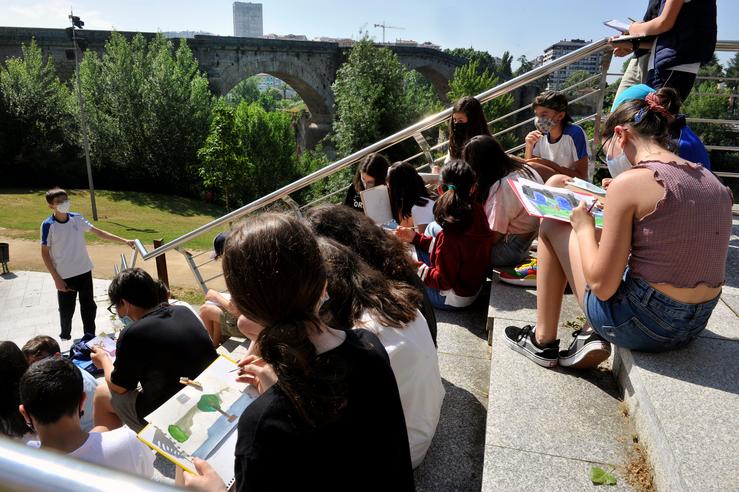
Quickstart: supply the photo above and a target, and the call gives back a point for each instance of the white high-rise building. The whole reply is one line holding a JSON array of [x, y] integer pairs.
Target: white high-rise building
[[591, 64], [248, 20]]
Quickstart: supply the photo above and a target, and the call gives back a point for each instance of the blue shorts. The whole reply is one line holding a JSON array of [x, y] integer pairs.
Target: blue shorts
[[639, 317]]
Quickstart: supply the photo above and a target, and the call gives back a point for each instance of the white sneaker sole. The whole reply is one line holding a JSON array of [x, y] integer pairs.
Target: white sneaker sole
[[588, 356], [548, 363]]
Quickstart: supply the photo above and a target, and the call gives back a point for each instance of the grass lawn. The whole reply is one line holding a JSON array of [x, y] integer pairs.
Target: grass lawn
[[129, 214]]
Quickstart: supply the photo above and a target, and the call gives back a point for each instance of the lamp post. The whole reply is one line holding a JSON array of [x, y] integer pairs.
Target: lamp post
[[78, 24]]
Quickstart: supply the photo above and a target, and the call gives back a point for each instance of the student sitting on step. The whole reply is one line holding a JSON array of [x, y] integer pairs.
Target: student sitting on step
[[513, 229], [333, 419], [382, 251], [660, 209], [454, 252], [42, 347], [557, 146], [467, 121], [159, 345], [52, 401], [12, 366], [410, 201], [361, 297], [371, 172]]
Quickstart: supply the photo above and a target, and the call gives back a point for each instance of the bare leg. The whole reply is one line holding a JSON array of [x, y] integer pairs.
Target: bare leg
[[102, 410], [211, 316]]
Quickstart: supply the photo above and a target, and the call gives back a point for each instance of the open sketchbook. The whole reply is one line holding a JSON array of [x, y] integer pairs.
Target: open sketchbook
[[549, 202], [200, 420]]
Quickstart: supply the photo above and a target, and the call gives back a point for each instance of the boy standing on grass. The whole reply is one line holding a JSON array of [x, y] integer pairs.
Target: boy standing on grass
[[64, 252]]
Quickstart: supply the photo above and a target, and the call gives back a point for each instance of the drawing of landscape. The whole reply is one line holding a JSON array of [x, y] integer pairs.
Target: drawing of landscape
[[555, 203], [199, 420]]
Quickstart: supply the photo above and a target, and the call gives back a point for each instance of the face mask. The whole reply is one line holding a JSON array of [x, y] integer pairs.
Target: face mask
[[64, 207], [460, 129], [618, 164], [367, 184], [126, 321], [544, 125]]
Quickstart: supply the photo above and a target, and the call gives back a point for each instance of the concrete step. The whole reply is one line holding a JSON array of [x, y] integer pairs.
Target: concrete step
[[546, 428], [685, 404]]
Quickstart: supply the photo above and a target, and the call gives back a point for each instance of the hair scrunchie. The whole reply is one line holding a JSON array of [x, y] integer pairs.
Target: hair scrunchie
[[656, 105]]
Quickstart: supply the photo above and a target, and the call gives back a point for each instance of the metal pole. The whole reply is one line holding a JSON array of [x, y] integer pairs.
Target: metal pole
[[83, 121]]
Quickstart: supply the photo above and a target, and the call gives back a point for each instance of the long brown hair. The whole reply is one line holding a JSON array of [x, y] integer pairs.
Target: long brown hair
[[491, 164], [355, 230], [453, 209], [646, 119], [476, 125], [275, 274], [355, 288], [406, 188], [375, 165]]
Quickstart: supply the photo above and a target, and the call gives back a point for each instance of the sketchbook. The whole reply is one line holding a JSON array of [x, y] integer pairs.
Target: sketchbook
[[376, 202], [200, 421], [618, 25], [104, 342], [549, 202], [627, 38], [578, 185]]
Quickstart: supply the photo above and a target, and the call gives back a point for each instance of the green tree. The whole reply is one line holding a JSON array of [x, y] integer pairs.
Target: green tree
[[370, 101], [36, 119], [248, 153], [269, 99], [421, 97], [497, 67], [524, 65], [577, 77], [246, 90], [148, 111], [712, 68], [732, 70]]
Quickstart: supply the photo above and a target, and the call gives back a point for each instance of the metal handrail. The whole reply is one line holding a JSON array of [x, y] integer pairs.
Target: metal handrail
[[28, 469], [393, 139]]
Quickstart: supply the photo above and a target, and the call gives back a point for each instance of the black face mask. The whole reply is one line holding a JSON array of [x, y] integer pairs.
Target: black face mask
[[459, 134]]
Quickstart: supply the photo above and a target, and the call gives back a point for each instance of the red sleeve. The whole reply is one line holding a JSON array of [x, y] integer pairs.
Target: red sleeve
[[423, 241], [445, 267]]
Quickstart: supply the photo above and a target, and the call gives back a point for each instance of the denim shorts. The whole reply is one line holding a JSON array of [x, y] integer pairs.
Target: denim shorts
[[639, 317]]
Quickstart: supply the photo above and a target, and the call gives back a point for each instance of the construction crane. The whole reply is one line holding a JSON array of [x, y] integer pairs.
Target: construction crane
[[385, 26]]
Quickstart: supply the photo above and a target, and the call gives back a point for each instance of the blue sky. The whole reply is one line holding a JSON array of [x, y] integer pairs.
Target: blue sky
[[521, 27]]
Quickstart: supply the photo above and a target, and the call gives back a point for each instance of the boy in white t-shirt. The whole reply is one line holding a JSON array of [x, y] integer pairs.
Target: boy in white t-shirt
[[557, 146], [64, 252], [52, 400]]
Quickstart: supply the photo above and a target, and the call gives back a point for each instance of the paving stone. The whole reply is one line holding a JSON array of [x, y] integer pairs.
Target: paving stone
[[508, 470], [723, 323], [685, 406], [572, 414], [519, 304], [462, 339]]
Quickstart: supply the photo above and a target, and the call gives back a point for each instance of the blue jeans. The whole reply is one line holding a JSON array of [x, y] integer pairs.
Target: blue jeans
[[511, 250], [639, 317]]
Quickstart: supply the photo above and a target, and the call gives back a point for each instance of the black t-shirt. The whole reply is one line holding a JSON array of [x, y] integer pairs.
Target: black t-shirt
[[366, 448], [155, 351], [353, 199]]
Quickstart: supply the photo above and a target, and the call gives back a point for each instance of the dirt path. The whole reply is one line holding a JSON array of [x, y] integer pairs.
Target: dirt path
[[26, 255]]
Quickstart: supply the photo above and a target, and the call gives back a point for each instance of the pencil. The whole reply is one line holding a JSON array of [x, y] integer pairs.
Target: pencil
[[592, 205], [239, 368]]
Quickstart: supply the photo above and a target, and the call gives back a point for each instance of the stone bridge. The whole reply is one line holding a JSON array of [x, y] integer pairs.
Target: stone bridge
[[308, 66]]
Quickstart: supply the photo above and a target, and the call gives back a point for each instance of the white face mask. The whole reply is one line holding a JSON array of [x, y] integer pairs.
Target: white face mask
[[64, 207], [618, 164]]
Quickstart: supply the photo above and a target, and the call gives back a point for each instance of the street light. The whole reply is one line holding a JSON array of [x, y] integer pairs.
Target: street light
[[77, 23]]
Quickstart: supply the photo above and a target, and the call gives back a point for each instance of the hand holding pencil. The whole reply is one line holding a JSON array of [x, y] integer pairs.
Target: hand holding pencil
[[255, 371]]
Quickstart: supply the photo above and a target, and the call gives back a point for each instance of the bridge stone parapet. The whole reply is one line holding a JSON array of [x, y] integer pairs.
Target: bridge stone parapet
[[309, 67]]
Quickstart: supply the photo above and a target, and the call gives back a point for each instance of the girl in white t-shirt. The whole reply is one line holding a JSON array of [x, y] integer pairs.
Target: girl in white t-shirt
[[513, 229], [410, 201], [362, 297]]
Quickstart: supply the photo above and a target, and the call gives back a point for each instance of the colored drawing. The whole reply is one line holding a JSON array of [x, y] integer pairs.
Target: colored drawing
[[200, 419], [553, 203]]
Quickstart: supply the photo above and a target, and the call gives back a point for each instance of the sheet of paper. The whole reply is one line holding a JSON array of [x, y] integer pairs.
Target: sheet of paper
[[617, 25], [552, 203], [199, 419], [104, 342], [376, 202], [587, 186], [423, 214]]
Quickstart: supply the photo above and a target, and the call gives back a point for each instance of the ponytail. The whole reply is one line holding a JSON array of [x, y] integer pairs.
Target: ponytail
[[274, 271], [646, 117], [453, 210]]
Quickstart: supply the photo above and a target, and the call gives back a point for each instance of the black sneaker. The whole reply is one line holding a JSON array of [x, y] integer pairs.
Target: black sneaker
[[65, 337], [522, 341], [587, 350]]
